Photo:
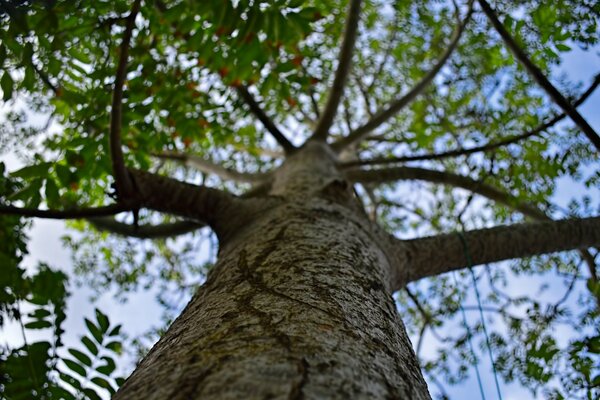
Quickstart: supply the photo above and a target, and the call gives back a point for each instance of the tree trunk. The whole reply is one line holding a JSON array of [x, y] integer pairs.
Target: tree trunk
[[297, 306]]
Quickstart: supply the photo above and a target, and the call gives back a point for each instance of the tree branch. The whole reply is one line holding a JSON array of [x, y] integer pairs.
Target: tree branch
[[144, 231], [76, 213], [435, 255], [341, 74], [391, 41], [398, 104], [255, 108], [164, 194], [464, 182], [45, 79], [208, 167], [539, 76], [446, 178], [122, 181], [311, 94], [483, 148]]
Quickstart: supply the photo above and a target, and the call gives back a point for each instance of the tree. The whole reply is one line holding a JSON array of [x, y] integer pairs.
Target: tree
[[300, 118]]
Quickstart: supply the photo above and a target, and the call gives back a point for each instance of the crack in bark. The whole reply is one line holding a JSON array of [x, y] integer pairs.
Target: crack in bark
[[254, 278], [297, 389]]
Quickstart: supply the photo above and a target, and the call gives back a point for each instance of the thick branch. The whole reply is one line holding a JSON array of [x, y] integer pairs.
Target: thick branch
[[77, 213], [255, 108], [464, 182], [198, 203], [344, 64], [144, 231], [122, 181], [397, 105], [446, 178], [223, 212], [208, 167], [443, 253], [539, 76], [483, 148]]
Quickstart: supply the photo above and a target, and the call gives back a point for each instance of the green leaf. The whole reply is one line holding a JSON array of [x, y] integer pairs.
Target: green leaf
[[91, 394], [594, 287], [40, 313], [75, 367], [81, 357], [115, 331], [52, 193], [32, 171], [103, 383], [89, 344], [103, 321], [94, 330], [74, 382], [6, 83], [58, 392], [107, 368], [41, 324], [29, 79], [117, 347]]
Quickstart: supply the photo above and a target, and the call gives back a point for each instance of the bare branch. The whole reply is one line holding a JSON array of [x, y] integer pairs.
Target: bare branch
[[483, 148], [255, 108], [164, 194], [397, 105], [76, 213], [446, 178], [539, 76], [435, 255], [144, 231], [223, 212], [209, 167], [344, 65], [122, 181]]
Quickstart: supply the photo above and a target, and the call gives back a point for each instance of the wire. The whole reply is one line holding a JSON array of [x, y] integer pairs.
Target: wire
[[464, 318], [485, 332]]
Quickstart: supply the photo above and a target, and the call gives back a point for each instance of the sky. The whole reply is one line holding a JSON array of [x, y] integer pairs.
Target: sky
[[142, 312]]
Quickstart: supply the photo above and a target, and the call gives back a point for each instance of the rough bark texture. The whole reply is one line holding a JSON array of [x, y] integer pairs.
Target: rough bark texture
[[297, 307], [299, 303], [419, 258]]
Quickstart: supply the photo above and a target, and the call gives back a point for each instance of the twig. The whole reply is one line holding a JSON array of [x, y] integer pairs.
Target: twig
[[76, 213], [255, 108], [45, 79]]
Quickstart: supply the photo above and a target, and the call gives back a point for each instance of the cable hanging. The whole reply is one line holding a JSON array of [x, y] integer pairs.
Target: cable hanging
[[479, 306], [469, 335]]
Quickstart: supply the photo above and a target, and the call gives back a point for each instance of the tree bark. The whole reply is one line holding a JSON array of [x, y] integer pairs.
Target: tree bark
[[297, 306], [419, 258]]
